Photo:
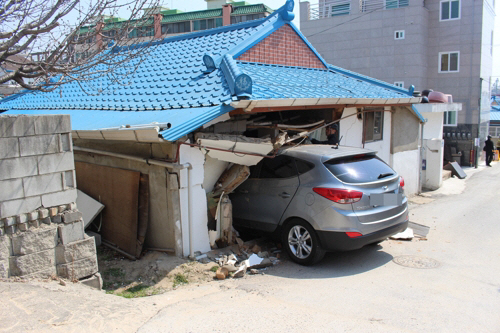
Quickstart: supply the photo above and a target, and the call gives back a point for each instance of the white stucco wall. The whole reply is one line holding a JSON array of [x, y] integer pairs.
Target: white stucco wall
[[406, 164], [433, 128], [198, 211], [213, 170]]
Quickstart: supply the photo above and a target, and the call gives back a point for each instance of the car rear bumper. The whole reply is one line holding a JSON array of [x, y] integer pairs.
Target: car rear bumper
[[339, 241]]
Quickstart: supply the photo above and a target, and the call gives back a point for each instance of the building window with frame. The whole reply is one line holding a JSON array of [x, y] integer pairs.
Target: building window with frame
[[450, 118], [450, 10], [449, 62], [399, 84], [399, 34], [176, 28], [207, 24], [391, 4], [373, 123]]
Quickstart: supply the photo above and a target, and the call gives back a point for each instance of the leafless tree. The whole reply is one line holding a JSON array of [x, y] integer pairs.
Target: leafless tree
[[46, 43]]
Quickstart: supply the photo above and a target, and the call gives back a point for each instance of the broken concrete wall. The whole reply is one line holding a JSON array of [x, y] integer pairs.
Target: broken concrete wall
[[41, 231], [163, 183]]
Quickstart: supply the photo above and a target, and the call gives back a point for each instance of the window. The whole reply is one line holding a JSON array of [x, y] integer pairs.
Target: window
[[207, 24], [399, 84], [450, 10], [449, 61], [176, 28], [450, 118], [303, 166], [373, 124], [278, 167], [399, 34], [359, 169], [245, 18], [142, 32], [391, 4]]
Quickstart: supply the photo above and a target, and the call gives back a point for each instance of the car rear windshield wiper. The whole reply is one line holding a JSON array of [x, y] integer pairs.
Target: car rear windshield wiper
[[383, 175]]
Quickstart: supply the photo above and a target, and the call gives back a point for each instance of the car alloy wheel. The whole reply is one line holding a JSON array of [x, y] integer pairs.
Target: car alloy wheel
[[300, 242]]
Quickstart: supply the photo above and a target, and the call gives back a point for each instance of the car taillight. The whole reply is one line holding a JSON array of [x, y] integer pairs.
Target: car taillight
[[338, 195], [401, 182], [353, 234]]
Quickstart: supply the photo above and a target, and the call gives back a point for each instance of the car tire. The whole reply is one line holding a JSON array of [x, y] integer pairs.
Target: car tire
[[301, 242]]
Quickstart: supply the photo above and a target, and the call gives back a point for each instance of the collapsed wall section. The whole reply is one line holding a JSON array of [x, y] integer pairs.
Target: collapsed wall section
[[41, 230]]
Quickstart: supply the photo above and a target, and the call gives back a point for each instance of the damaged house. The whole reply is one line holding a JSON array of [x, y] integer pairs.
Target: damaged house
[[161, 150]]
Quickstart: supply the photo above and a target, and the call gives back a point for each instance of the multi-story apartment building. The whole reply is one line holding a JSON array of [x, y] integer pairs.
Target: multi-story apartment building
[[444, 45], [163, 22]]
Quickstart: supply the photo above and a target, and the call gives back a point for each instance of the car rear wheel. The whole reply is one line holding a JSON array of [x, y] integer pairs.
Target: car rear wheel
[[301, 243]]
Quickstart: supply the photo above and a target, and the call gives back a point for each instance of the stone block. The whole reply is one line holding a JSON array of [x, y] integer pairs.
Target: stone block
[[57, 198], [66, 142], [32, 216], [71, 206], [46, 220], [43, 213], [95, 281], [5, 248], [39, 145], [46, 273], [69, 233], [23, 226], [96, 236], [34, 240], [11, 230], [69, 179], [61, 208], [51, 124], [18, 167], [11, 189], [78, 269], [22, 218], [72, 216], [57, 218], [11, 126], [50, 163], [75, 251], [4, 269], [19, 206], [34, 224], [2, 231], [53, 211], [8, 221], [43, 184], [32, 263], [9, 147]]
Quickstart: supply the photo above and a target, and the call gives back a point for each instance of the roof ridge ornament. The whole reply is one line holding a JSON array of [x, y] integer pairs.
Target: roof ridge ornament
[[287, 13], [209, 62], [240, 84]]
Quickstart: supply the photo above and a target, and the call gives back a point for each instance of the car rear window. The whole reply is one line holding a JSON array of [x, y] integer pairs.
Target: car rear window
[[359, 169]]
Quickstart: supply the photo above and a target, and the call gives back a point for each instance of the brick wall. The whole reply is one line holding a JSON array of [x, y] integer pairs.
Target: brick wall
[[283, 47], [41, 230]]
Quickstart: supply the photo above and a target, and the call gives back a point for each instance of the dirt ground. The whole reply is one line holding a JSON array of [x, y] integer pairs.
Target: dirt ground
[[159, 272]]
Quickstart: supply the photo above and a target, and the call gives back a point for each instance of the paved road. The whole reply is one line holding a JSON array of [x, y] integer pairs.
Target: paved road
[[360, 291]]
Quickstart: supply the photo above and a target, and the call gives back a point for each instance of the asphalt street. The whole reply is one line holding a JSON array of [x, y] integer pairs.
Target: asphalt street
[[449, 282]]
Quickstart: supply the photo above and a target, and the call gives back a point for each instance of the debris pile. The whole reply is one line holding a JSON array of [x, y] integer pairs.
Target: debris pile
[[244, 257]]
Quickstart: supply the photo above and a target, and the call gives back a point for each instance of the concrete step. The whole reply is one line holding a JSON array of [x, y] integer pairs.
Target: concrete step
[[446, 174]]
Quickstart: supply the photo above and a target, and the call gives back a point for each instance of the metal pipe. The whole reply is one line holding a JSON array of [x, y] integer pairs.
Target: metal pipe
[[168, 165], [190, 215]]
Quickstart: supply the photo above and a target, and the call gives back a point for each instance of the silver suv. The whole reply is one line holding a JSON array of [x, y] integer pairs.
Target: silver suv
[[320, 198]]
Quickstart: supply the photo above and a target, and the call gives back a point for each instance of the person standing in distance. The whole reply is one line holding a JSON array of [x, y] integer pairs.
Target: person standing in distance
[[488, 148], [331, 135]]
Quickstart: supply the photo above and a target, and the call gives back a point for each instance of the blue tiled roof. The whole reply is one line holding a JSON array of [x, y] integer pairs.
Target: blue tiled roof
[[188, 80]]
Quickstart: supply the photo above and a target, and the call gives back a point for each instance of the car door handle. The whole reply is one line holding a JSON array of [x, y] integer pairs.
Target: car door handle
[[243, 191], [284, 195]]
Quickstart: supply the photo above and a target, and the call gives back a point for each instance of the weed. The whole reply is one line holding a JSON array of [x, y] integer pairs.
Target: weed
[[180, 279], [139, 290], [214, 268]]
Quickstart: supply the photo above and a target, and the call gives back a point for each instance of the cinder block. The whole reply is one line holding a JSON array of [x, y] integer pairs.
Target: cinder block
[[53, 211], [72, 216], [11, 230], [69, 179], [39, 145], [43, 184], [66, 142], [52, 124], [11, 189], [32, 263], [32, 216], [69, 233], [18, 167], [95, 281], [78, 269], [50, 163], [43, 213], [8, 221], [57, 218], [19, 206], [9, 147], [75, 251], [61, 208], [23, 226], [57, 198], [17, 126], [34, 240], [22, 218]]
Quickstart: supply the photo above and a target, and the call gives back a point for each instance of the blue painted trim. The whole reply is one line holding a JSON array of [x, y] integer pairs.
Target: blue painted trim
[[239, 83], [418, 114], [368, 79]]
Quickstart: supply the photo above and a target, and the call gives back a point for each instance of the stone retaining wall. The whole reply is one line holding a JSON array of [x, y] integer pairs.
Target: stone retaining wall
[[41, 230]]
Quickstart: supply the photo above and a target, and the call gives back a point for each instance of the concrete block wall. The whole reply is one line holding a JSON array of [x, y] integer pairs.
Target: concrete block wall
[[36, 163], [41, 230]]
